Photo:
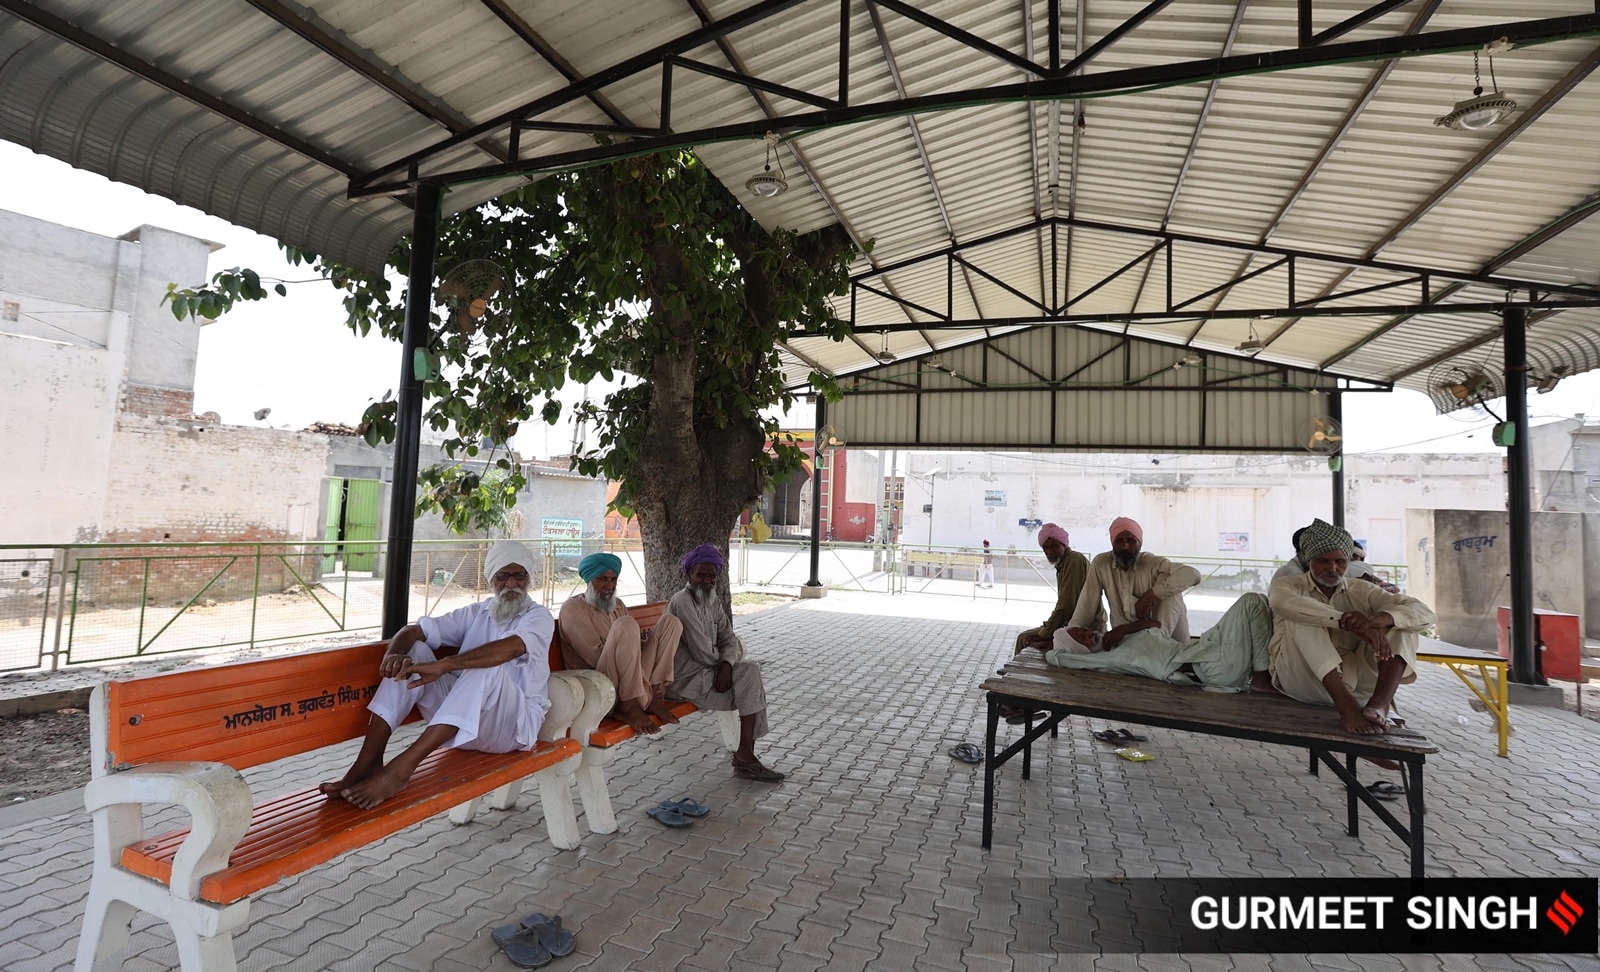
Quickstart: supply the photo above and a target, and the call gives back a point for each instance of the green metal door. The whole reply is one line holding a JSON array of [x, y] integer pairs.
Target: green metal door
[[332, 515], [361, 523]]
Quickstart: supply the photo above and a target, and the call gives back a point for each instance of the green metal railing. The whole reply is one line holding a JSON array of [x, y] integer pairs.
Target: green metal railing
[[77, 604]]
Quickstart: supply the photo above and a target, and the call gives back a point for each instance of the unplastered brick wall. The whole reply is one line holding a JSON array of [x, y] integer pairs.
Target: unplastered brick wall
[[175, 403], [177, 482]]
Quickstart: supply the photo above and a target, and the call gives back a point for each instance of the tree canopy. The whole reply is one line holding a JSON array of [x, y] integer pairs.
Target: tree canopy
[[648, 268]]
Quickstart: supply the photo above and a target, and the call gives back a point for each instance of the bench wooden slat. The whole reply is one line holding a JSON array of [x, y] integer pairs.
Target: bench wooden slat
[[291, 833]]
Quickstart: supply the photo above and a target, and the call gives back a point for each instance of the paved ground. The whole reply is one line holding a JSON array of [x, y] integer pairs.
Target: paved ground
[[868, 857]]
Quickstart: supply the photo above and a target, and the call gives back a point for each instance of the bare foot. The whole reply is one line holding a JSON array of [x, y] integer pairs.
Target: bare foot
[[1262, 682], [1355, 719], [659, 708], [376, 788], [1378, 715], [637, 719], [334, 788]]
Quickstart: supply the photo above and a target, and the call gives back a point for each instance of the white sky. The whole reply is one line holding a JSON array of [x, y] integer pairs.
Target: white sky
[[295, 356]]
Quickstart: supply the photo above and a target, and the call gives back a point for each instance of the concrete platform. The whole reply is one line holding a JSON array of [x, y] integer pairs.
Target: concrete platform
[[868, 857]]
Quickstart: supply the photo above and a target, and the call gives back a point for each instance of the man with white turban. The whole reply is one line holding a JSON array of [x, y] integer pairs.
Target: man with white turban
[[711, 670], [479, 675], [1072, 568], [1143, 590], [1334, 643], [598, 634]]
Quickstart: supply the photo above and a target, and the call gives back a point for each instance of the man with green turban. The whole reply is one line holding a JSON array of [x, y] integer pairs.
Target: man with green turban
[[598, 634], [1337, 643]]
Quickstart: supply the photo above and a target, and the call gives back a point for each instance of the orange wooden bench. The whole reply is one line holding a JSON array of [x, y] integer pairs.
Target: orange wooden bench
[[599, 747], [181, 738]]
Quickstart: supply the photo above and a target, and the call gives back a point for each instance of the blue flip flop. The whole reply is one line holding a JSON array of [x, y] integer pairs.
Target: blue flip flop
[[669, 817], [685, 806], [542, 932], [967, 753]]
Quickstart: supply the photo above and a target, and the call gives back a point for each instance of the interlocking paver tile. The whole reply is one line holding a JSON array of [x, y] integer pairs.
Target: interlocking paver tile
[[868, 856]]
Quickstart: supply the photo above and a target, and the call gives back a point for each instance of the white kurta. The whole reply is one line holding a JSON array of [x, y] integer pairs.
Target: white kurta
[[494, 710], [1307, 643], [1123, 588]]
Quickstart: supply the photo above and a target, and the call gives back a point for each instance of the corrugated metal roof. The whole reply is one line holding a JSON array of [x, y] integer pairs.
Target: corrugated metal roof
[[263, 111]]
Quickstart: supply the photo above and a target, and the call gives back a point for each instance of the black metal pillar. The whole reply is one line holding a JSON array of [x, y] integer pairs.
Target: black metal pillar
[[816, 493], [1336, 461], [1524, 667], [408, 414]]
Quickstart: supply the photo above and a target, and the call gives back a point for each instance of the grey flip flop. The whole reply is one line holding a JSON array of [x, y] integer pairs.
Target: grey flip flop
[[686, 806], [669, 817]]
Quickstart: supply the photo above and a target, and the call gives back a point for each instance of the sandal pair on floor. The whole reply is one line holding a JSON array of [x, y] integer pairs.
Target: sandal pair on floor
[[534, 941], [1119, 736], [677, 813], [967, 753]]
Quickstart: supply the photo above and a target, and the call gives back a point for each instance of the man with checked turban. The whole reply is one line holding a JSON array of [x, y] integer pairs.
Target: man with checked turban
[[1341, 644]]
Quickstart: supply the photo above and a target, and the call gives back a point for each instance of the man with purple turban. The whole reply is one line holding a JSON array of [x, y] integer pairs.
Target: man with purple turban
[[1143, 590], [711, 670], [598, 634], [490, 695], [1072, 568]]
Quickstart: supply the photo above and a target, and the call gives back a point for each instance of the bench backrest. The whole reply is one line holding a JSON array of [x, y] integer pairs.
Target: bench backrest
[[242, 714], [646, 614]]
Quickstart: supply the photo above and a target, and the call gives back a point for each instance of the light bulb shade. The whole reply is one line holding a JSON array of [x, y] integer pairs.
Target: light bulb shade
[[1478, 112], [885, 356], [766, 185]]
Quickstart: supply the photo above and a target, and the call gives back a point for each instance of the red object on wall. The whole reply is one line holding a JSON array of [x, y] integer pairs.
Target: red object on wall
[[1562, 642]]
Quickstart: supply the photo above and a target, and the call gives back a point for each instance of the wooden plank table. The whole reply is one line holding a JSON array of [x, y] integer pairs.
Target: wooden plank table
[[1490, 670], [1029, 682]]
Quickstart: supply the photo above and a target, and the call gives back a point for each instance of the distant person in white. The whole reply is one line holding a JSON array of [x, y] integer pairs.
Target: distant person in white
[[479, 675]]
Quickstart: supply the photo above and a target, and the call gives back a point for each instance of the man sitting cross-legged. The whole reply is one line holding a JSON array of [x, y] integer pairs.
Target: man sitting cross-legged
[[1336, 643], [489, 696], [598, 634], [710, 668]]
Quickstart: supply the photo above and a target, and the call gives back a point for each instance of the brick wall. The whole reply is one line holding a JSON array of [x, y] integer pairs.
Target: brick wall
[[149, 400], [172, 481]]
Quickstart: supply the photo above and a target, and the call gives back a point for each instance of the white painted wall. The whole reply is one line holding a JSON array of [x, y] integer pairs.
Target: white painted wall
[[1185, 502]]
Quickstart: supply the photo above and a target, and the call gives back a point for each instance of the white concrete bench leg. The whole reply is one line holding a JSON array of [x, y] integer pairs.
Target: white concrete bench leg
[[567, 701], [592, 790], [106, 923]]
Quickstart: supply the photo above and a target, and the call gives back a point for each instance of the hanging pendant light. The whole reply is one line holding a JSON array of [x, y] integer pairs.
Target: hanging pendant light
[[765, 184], [1481, 110], [885, 356]]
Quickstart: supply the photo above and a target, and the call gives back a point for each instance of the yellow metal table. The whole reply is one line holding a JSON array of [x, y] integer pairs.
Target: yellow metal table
[[1484, 672]]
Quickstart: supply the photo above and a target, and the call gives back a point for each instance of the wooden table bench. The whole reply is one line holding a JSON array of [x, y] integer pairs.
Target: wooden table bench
[[1490, 670], [181, 738], [600, 745], [1030, 682]]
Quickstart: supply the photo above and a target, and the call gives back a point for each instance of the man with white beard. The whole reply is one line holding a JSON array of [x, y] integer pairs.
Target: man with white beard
[[598, 634], [1334, 643], [710, 669], [488, 695]]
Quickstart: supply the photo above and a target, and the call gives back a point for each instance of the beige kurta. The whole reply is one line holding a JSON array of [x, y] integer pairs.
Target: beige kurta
[[1123, 588], [1307, 643], [708, 641], [610, 644]]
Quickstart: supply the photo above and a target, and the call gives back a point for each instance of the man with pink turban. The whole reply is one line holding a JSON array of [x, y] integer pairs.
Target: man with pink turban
[[710, 669], [1071, 569], [1142, 589]]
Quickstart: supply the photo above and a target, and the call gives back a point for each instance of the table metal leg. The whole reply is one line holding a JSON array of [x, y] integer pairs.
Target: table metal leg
[[1351, 801], [988, 770], [1414, 802]]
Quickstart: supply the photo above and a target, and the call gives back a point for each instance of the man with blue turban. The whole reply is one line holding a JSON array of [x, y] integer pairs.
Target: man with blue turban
[[598, 634], [1336, 643], [711, 668]]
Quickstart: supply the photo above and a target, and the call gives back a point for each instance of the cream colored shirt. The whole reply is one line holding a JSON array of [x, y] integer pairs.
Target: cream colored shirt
[[1123, 588], [1298, 600], [584, 629]]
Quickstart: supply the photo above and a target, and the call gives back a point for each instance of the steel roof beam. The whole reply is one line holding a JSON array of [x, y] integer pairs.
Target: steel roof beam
[[1351, 23], [1505, 137], [1099, 47], [552, 57], [90, 44], [1064, 88], [966, 38]]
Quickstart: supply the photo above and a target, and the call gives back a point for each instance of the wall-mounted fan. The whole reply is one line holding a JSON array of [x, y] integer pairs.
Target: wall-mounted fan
[[1321, 435], [1460, 389], [463, 301], [829, 439]]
